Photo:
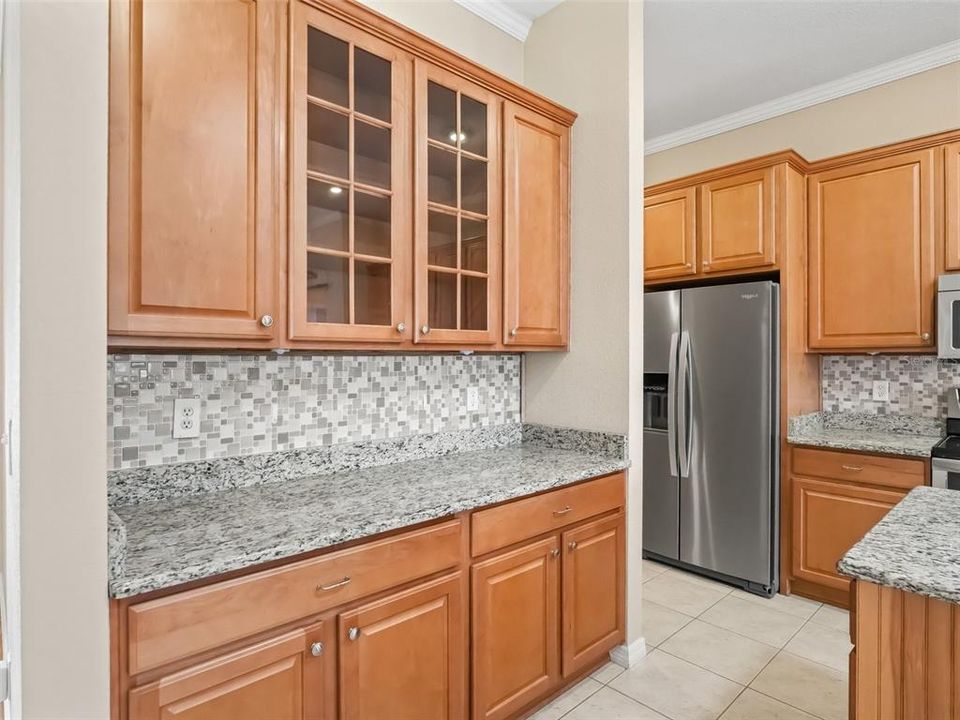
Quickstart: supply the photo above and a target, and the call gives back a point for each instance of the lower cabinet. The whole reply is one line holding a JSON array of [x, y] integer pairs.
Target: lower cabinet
[[405, 656], [282, 678]]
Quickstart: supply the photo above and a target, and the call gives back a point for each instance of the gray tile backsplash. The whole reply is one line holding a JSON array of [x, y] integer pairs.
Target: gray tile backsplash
[[918, 383], [267, 402]]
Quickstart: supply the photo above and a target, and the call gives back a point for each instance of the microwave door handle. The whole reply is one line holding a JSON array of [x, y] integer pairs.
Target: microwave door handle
[[672, 405], [683, 404]]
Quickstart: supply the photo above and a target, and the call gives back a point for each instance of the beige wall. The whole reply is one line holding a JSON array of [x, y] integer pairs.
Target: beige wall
[[587, 55], [921, 104], [65, 668], [459, 29]]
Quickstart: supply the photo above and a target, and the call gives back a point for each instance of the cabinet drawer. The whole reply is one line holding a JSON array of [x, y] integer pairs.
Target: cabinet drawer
[[508, 524], [180, 625], [901, 473]]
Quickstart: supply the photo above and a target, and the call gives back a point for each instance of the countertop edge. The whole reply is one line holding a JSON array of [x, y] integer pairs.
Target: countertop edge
[[877, 447]]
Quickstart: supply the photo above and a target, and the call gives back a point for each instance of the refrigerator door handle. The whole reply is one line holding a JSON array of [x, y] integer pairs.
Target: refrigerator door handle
[[672, 405], [683, 404]]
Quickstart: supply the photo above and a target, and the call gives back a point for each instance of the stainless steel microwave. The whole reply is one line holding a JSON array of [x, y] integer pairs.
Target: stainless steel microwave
[[948, 316]]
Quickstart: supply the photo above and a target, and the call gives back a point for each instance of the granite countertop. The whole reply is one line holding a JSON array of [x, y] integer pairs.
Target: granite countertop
[[171, 541], [887, 434], [916, 547]]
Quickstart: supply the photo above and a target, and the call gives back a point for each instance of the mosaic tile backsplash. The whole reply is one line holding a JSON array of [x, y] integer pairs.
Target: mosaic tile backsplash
[[264, 403], [918, 384]]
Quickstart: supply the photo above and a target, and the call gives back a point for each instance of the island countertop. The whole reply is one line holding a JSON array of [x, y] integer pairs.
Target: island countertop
[[916, 547], [172, 541]]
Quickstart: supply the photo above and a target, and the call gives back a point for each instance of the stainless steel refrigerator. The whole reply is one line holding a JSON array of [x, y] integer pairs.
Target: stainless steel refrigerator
[[711, 439]]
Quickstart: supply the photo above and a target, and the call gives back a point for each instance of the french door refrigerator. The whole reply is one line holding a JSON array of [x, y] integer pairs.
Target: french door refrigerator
[[711, 440]]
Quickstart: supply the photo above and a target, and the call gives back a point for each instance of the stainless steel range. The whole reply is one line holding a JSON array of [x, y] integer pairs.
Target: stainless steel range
[[945, 464]]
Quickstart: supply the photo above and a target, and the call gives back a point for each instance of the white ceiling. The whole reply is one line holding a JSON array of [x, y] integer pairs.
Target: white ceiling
[[704, 59], [512, 16]]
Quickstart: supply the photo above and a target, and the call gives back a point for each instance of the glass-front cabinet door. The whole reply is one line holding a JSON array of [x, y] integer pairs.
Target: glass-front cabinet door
[[457, 210], [350, 218]]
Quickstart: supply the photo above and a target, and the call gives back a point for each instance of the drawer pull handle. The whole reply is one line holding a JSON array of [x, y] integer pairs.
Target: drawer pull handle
[[353, 633], [334, 586], [572, 545], [565, 510], [852, 468]]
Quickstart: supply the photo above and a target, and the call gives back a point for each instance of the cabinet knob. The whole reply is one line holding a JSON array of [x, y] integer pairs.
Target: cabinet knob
[[316, 649], [706, 264], [266, 320], [401, 327], [572, 545], [555, 552], [513, 333], [353, 633], [424, 329], [925, 337]]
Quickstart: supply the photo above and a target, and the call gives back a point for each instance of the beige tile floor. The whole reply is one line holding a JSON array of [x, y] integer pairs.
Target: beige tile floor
[[716, 652]]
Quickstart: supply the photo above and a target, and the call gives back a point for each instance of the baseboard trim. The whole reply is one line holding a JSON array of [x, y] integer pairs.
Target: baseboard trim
[[626, 656]]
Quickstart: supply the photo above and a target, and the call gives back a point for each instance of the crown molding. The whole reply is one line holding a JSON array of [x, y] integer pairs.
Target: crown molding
[[847, 85], [500, 15]]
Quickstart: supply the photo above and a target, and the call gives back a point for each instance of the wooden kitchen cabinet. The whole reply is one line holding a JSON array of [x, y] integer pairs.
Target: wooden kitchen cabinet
[[952, 204], [670, 234], [536, 235], [516, 612], [284, 678], [457, 210], [737, 214], [405, 656], [593, 592], [872, 253], [193, 207]]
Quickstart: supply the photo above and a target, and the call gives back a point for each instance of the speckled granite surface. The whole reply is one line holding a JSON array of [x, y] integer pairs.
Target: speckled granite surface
[[888, 434], [175, 540], [916, 547]]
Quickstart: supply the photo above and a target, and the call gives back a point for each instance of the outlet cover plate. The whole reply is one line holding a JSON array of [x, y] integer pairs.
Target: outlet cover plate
[[881, 390], [186, 417], [473, 399]]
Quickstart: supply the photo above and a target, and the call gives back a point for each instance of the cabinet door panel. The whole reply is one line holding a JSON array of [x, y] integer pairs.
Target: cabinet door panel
[[828, 519], [536, 241], [670, 234], [515, 629], [457, 278], [193, 164], [278, 678], [349, 160], [872, 261], [405, 656], [737, 217], [593, 594], [952, 204]]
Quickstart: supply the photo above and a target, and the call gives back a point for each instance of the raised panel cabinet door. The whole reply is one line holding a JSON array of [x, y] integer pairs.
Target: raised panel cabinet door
[[828, 519], [737, 222], [516, 629], [592, 603], [405, 656], [193, 170], [670, 234], [350, 225], [871, 243], [457, 210], [536, 235], [284, 678], [952, 204]]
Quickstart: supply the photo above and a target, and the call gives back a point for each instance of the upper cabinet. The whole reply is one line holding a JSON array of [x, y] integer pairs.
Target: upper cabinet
[[952, 205], [871, 244], [723, 222], [330, 180], [194, 204]]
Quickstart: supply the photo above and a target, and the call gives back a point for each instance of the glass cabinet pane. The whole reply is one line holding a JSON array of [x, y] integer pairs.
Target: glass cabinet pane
[[441, 114], [328, 141], [442, 300], [442, 177], [328, 218], [371, 80], [473, 303], [442, 239], [473, 185], [371, 154], [328, 62], [328, 287], [372, 293], [371, 224], [473, 126], [473, 244]]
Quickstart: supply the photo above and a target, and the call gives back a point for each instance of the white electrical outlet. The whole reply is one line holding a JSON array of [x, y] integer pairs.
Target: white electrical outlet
[[881, 390], [473, 399], [186, 417]]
